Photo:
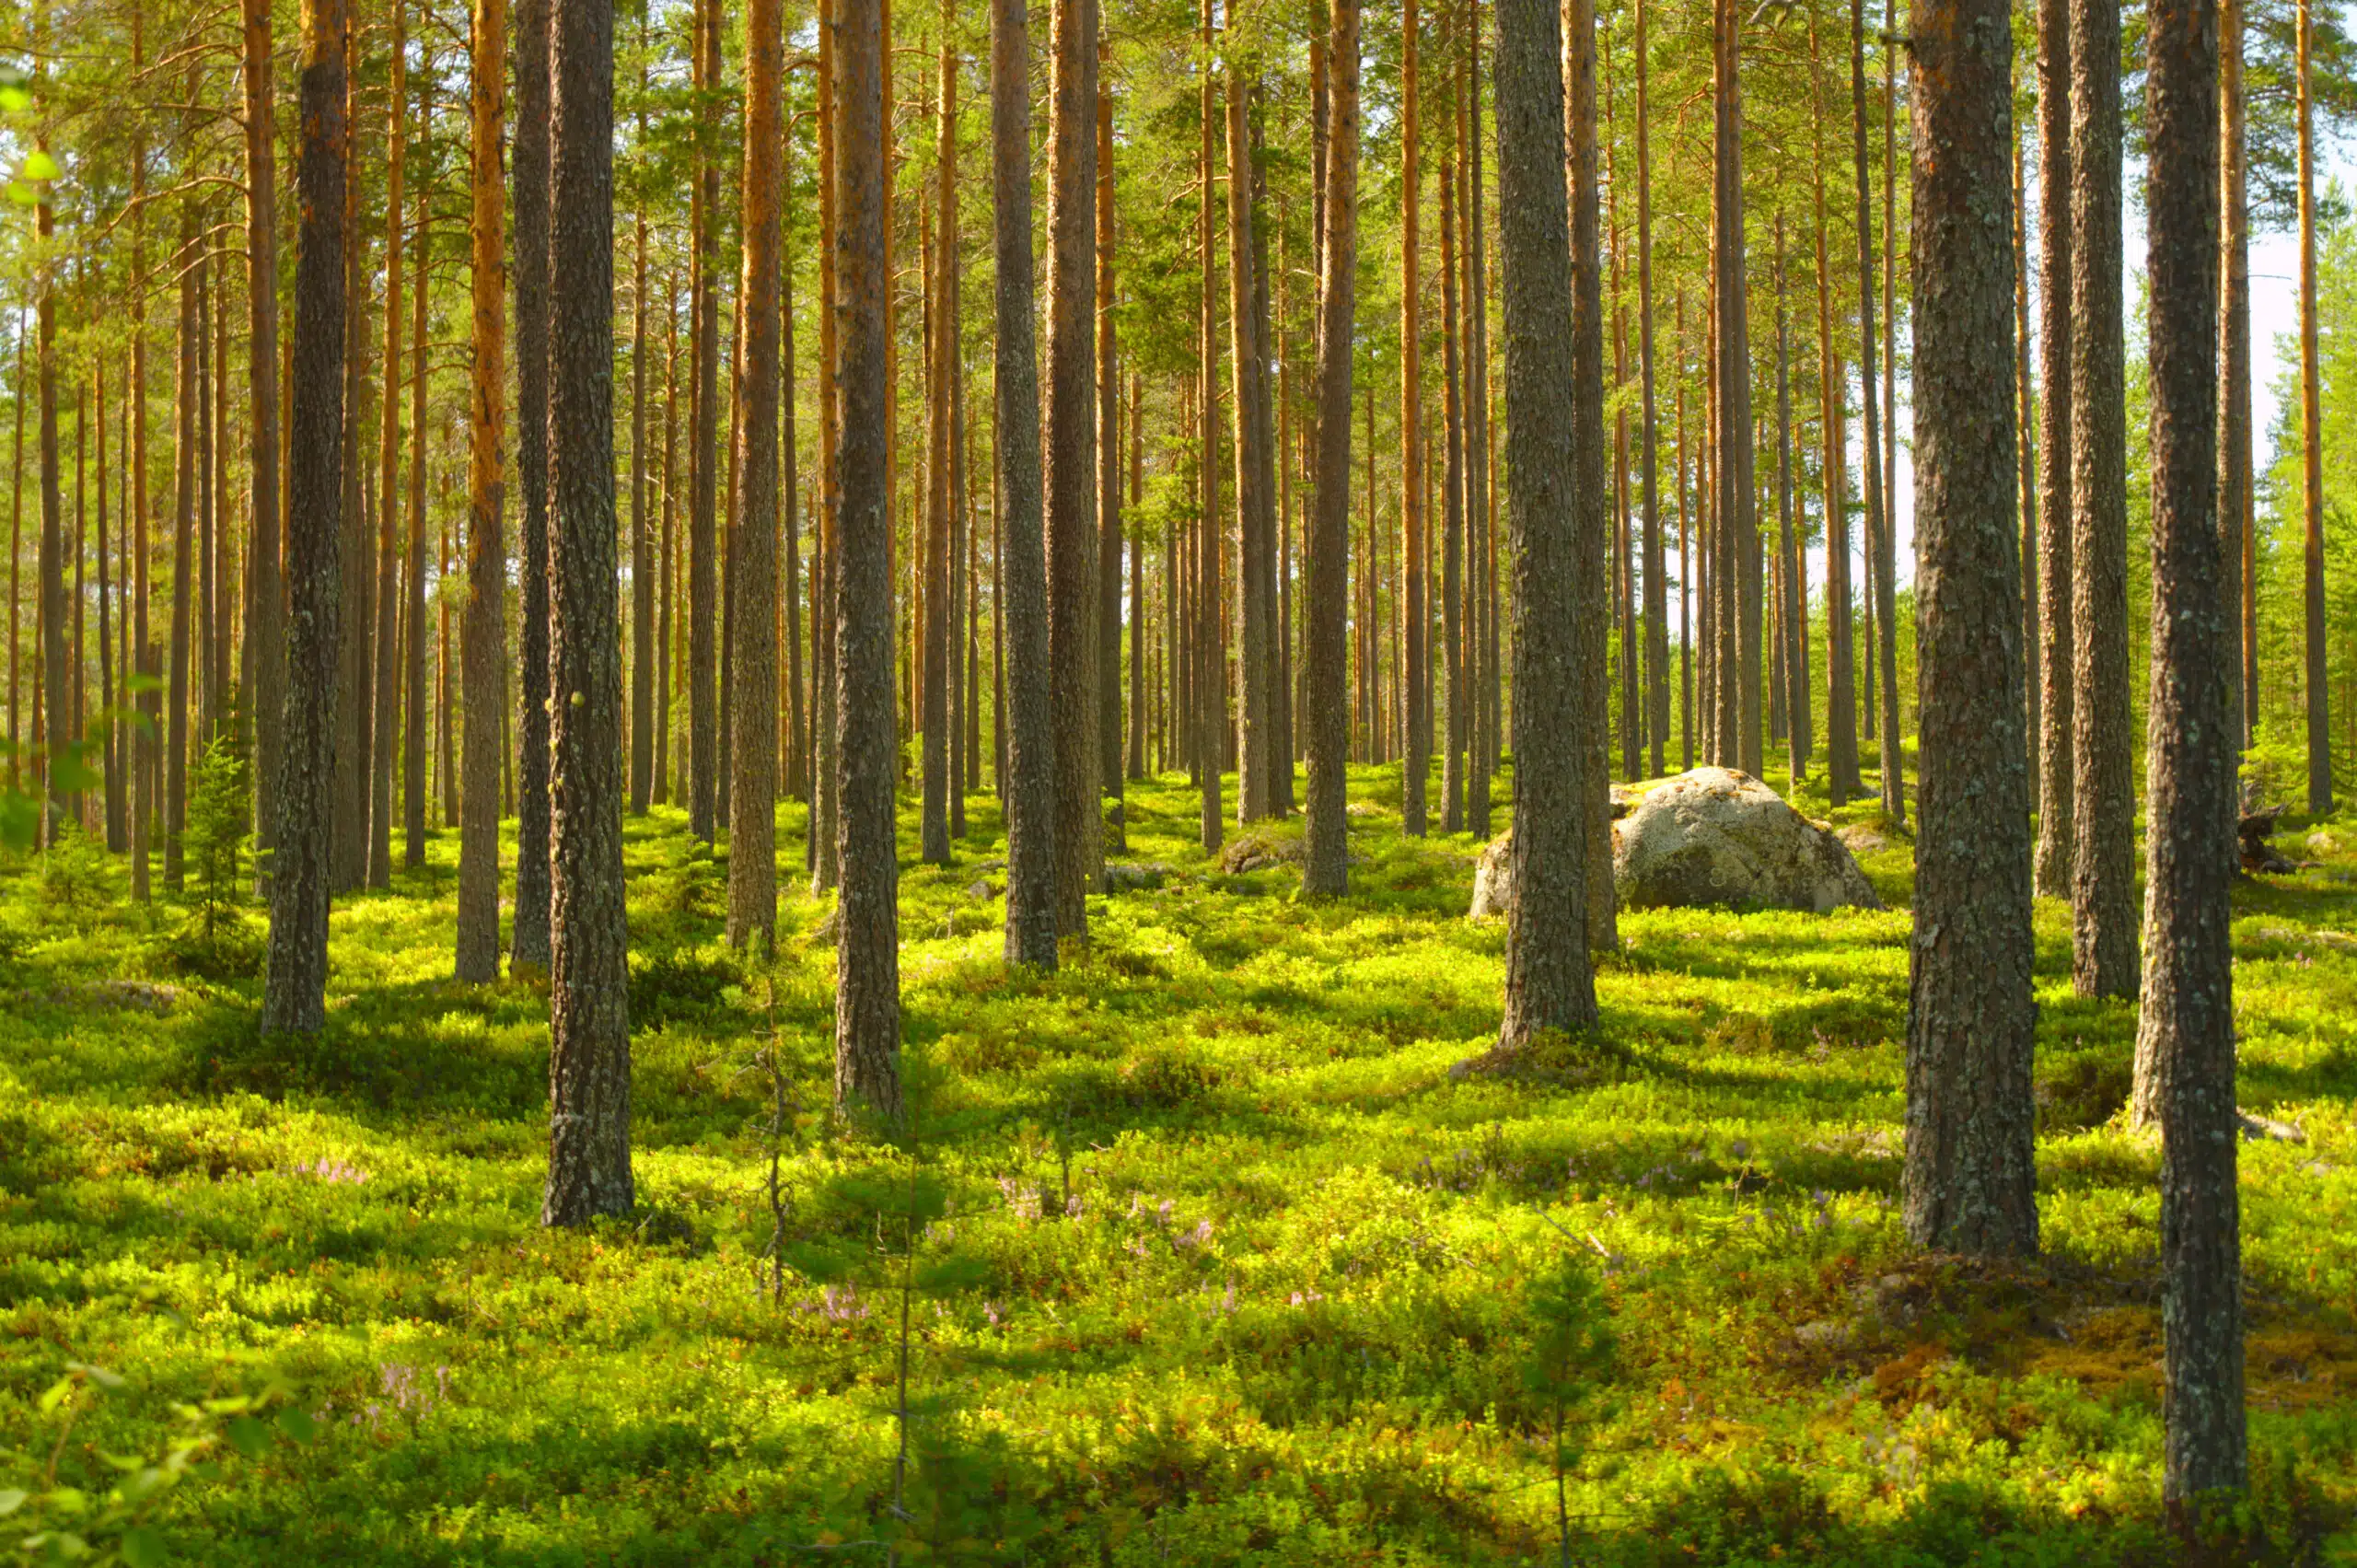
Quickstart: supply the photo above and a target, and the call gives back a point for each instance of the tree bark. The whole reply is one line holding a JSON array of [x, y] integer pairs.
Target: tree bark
[[2057, 636], [1326, 866], [1255, 473], [589, 931], [704, 607], [295, 980], [532, 221], [386, 686], [1657, 568], [643, 569], [2319, 713], [1069, 478], [1880, 569], [2236, 500], [176, 738], [1452, 592], [868, 962], [416, 736], [2103, 867], [1109, 467], [266, 631], [1793, 618], [483, 637], [1592, 501], [2185, 1044], [1971, 1180], [752, 753], [1549, 986]]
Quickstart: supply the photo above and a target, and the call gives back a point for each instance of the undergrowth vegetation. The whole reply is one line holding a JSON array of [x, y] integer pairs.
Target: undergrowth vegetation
[[1196, 1252]]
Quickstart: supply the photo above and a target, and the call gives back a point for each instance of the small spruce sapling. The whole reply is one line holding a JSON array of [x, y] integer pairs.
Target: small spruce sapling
[[220, 820], [1568, 1366]]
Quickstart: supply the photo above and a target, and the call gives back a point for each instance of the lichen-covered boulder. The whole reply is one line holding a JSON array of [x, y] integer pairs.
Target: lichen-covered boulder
[[1712, 836], [1716, 836]]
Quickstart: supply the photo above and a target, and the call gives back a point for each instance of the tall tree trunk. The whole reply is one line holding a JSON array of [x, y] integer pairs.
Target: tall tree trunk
[[1070, 476], [1970, 1179], [1793, 614], [2026, 447], [1326, 864], [294, 979], [415, 734], [1109, 468], [266, 631], [2185, 1044], [2312, 443], [825, 818], [934, 604], [703, 610], [1741, 742], [271, 660], [483, 635], [1880, 573], [1255, 506], [2236, 501], [1206, 676], [867, 963], [752, 754], [1481, 508], [1411, 433], [385, 687], [117, 826], [2103, 866], [1549, 986], [56, 672], [1452, 570], [643, 570], [1140, 634], [589, 941], [2058, 638], [1657, 586], [176, 739], [349, 823], [534, 692], [1842, 780], [1590, 561]]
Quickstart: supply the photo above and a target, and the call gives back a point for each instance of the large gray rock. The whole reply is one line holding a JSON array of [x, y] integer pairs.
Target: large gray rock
[[1716, 836], [1712, 836]]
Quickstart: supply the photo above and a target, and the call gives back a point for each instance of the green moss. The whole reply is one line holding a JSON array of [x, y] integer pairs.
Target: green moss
[[1216, 1262]]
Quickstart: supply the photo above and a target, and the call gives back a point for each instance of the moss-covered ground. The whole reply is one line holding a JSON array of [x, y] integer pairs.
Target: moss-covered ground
[[1198, 1255]]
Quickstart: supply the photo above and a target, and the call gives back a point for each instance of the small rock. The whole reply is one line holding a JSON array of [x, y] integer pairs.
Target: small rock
[[1129, 877], [2262, 1129], [1822, 1332], [980, 888], [1494, 879], [2319, 1167], [1257, 851], [2323, 842], [1362, 809], [1859, 838]]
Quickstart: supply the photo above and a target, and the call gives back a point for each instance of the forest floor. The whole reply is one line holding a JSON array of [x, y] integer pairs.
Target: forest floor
[[1198, 1254]]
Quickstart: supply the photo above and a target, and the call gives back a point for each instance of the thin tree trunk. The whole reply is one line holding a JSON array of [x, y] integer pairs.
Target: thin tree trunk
[[1793, 559], [1841, 779], [2236, 501], [2185, 1044], [1206, 674], [2058, 637], [1880, 572], [2103, 867], [752, 784], [117, 826], [1411, 435], [414, 733], [868, 965], [825, 820], [294, 979], [1256, 794], [933, 606], [482, 640], [270, 658], [1591, 557], [1741, 743], [589, 962], [643, 570], [184, 478], [349, 822], [1452, 592], [534, 693], [1326, 864], [2025, 450], [56, 672], [385, 687], [1480, 506], [2311, 445], [704, 611], [266, 633], [1971, 1181], [1109, 468], [1068, 476]]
